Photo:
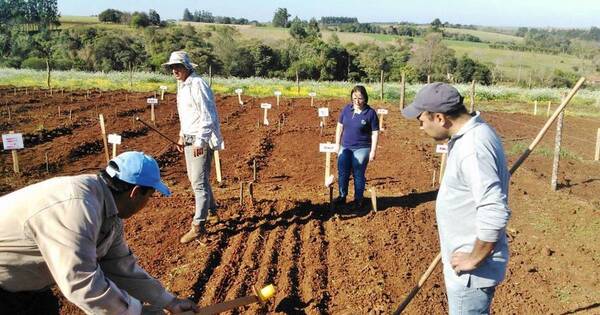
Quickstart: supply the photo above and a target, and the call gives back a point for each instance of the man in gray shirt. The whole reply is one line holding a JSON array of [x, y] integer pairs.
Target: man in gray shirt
[[471, 207]]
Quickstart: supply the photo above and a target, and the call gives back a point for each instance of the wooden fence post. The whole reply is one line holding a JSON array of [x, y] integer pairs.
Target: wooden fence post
[[472, 96], [381, 81], [597, 155], [559, 125], [402, 90]]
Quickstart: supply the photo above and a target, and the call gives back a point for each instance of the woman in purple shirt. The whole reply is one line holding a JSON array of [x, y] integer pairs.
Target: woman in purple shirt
[[358, 129]]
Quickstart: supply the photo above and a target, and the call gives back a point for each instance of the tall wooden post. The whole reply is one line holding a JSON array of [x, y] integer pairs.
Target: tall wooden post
[[104, 140], [381, 81], [548, 109], [472, 96], [402, 89], [535, 103], [297, 83], [597, 155], [15, 158], [559, 125], [428, 79], [210, 75]]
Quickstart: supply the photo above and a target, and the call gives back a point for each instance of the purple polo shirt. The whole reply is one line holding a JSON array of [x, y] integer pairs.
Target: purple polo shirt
[[358, 127]]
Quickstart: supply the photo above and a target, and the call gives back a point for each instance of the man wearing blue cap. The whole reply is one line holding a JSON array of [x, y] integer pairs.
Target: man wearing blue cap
[[69, 231], [199, 136], [471, 205]]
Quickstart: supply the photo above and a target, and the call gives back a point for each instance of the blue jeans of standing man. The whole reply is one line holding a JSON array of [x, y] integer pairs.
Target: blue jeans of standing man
[[198, 170], [465, 300], [355, 161]]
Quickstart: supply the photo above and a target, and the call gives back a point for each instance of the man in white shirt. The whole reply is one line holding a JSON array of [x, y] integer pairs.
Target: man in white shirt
[[199, 136], [69, 231]]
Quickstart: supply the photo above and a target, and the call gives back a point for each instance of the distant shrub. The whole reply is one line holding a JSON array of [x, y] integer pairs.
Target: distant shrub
[[34, 63]]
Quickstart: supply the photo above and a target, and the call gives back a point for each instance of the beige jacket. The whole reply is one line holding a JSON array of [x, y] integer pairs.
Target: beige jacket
[[66, 231]]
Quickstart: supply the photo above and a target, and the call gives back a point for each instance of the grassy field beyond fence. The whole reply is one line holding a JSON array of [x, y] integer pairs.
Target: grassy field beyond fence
[[498, 98]]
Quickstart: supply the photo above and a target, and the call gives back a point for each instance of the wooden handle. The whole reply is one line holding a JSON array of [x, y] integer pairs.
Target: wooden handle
[[103, 128], [225, 306], [218, 165], [416, 288]]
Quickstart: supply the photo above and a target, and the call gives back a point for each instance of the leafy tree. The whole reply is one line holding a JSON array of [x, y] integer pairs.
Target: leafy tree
[[110, 16], [436, 24], [280, 18], [297, 29], [432, 57], [187, 15], [140, 19], [153, 17]]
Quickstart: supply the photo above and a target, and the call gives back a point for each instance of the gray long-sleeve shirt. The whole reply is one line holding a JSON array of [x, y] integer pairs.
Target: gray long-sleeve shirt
[[66, 231], [472, 202]]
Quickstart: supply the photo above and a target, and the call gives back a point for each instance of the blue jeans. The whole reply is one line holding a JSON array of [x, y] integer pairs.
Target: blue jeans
[[355, 161], [469, 301], [198, 170]]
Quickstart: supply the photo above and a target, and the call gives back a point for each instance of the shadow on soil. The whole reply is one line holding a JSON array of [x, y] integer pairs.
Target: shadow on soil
[[301, 213], [581, 309]]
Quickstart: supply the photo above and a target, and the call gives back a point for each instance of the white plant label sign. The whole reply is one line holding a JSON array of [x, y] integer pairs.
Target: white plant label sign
[[277, 93], [323, 112], [239, 91], [382, 111], [327, 147], [312, 94], [152, 100], [441, 148], [265, 105], [12, 141], [163, 87], [114, 138]]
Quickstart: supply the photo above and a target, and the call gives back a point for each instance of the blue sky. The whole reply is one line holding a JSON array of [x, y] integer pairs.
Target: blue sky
[[538, 13]]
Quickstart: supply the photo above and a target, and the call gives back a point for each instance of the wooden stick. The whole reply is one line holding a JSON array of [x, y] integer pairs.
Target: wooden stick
[[254, 170], [218, 165], [557, 140], [381, 87], [515, 166], [433, 178], [46, 159], [542, 132], [402, 90], [548, 109], [152, 116], [472, 96], [442, 166], [535, 108], [327, 166], [373, 198], [114, 150], [8, 111], [15, 158], [416, 288], [251, 193], [104, 140], [381, 122], [597, 155], [265, 119], [428, 79]]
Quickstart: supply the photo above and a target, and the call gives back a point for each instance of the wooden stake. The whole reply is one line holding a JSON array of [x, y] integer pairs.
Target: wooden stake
[[251, 193], [58, 111], [104, 140], [70, 116], [241, 193], [472, 96], [209, 75], [8, 111], [152, 116], [548, 110], [597, 155], [428, 79], [327, 166], [254, 170], [373, 198], [114, 150], [402, 90], [442, 166], [297, 83], [535, 108], [433, 178], [381, 122], [557, 140], [46, 158], [15, 158], [218, 166], [381, 86]]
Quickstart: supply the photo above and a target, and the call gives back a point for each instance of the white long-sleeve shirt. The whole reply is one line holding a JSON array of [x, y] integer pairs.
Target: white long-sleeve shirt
[[198, 113], [66, 231], [472, 203]]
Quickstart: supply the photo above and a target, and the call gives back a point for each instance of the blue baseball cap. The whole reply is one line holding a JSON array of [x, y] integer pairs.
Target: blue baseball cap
[[137, 168]]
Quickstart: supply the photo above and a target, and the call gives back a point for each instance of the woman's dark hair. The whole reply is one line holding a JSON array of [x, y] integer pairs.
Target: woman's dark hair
[[360, 89], [116, 185]]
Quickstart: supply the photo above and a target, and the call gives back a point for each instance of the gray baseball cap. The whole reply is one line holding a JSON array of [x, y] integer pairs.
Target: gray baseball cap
[[436, 97]]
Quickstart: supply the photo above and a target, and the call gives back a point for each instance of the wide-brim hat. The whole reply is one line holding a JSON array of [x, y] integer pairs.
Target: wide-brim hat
[[180, 58]]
